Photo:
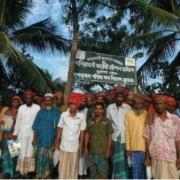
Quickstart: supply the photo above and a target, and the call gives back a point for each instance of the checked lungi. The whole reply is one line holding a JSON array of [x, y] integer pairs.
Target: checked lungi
[[120, 169], [44, 166], [98, 166], [138, 168], [9, 163]]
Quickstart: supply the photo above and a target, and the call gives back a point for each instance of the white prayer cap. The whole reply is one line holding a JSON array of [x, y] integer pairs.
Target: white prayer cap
[[49, 95]]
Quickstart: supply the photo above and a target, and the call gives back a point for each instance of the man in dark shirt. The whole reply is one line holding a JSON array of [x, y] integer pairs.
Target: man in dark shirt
[[99, 134]]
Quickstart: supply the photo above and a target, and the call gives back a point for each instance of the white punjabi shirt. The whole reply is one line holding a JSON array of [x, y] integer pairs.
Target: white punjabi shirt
[[71, 130], [23, 127], [117, 119]]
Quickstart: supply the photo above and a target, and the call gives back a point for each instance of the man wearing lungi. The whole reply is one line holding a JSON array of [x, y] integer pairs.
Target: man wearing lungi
[[70, 136], [99, 133], [44, 127], [135, 142], [116, 113], [163, 142], [25, 118]]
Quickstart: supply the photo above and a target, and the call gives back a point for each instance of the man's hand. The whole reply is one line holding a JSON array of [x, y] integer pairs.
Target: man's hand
[[34, 142], [86, 151], [80, 150], [107, 154], [56, 145], [14, 136], [147, 162], [2, 122], [128, 153], [178, 163]]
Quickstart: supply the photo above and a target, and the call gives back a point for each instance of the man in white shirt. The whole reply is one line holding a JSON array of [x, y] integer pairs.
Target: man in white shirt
[[116, 113], [70, 136], [25, 118]]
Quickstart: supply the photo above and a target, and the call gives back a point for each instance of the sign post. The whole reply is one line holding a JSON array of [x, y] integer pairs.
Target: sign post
[[92, 66]]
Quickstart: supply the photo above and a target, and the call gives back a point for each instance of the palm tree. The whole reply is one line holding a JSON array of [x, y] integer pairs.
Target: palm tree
[[156, 29], [41, 36]]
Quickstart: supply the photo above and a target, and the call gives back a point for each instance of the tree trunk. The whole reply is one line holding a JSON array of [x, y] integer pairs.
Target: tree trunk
[[74, 45]]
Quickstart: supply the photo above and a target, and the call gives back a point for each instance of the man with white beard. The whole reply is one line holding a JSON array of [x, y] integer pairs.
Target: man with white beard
[[44, 127], [135, 142]]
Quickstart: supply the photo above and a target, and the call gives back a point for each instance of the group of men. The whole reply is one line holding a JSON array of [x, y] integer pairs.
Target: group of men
[[116, 135]]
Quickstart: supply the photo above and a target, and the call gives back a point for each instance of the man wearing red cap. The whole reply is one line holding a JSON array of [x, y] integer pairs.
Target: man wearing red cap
[[135, 143], [70, 136], [116, 113], [163, 142], [171, 105], [25, 118]]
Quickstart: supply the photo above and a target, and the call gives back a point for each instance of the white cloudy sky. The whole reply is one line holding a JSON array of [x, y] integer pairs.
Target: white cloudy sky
[[56, 64]]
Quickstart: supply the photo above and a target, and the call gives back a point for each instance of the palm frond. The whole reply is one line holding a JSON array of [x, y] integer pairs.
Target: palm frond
[[4, 75], [175, 63], [164, 47], [41, 36], [136, 42], [160, 50], [35, 76], [7, 50], [148, 16], [14, 12]]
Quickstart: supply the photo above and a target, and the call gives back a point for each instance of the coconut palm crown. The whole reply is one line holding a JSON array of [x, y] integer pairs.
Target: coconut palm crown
[[41, 37]]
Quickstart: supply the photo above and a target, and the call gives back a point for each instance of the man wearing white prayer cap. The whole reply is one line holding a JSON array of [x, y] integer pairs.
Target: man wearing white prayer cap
[[44, 127]]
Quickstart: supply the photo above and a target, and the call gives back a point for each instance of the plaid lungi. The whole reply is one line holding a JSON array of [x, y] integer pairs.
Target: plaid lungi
[[120, 169], [44, 166], [25, 165], [98, 166], [8, 163], [138, 168]]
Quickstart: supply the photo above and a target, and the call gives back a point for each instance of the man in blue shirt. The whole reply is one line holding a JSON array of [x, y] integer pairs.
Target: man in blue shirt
[[44, 127]]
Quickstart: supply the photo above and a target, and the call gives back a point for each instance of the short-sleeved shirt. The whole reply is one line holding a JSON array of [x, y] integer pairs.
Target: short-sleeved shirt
[[99, 134], [71, 131], [117, 118], [45, 123], [162, 136]]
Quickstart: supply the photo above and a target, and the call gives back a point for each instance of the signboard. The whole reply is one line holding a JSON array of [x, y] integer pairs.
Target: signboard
[[106, 68]]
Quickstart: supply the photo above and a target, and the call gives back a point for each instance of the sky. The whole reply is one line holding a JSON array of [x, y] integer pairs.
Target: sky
[[56, 64]]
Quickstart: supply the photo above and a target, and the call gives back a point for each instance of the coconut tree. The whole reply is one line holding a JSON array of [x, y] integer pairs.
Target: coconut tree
[[41, 36], [156, 30]]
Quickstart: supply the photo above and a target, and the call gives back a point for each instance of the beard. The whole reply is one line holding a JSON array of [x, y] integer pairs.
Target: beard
[[119, 103], [138, 111], [81, 108], [29, 104], [48, 108], [89, 106], [59, 104]]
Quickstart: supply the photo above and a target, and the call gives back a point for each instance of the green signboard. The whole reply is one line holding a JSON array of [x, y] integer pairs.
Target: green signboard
[[107, 68]]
